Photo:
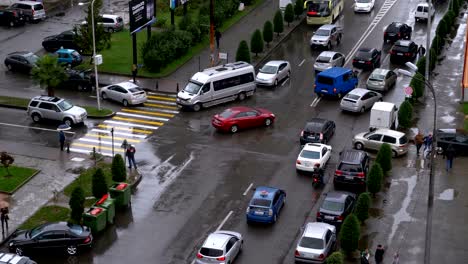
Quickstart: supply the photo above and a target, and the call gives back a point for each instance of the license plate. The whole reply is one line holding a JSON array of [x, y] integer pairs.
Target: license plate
[[349, 177], [307, 164], [324, 91], [361, 61], [311, 137], [329, 217], [399, 53], [258, 212]]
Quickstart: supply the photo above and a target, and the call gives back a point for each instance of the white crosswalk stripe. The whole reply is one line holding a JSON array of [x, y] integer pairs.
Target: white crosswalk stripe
[[161, 102], [118, 133], [155, 109], [143, 116], [100, 142], [162, 94], [130, 124]]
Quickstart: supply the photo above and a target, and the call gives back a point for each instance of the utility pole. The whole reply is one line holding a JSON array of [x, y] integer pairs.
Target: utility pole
[[212, 32], [428, 40]]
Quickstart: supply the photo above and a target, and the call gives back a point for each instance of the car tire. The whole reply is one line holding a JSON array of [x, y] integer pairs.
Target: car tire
[[125, 102], [67, 121], [9, 67], [19, 251], [329, 46], [381, 99], [197, 107], [276, 83], [359, 146], [394, 154], [72, 250], [338, 40], [36, 118], [275, 218], [110, 30], [363, 109], [234, 129], [268, 122], [11, 24], [289, 75], [104, 96], [241, 96]]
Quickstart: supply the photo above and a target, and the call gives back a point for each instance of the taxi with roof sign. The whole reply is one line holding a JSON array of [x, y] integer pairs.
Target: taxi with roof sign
[[265, 205]]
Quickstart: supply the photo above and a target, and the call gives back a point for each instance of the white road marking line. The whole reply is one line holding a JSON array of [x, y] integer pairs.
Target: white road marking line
[[247, 190], [422, 163], [87, 152], [161, 102], [316, 101], [143, 116], [302, 62], [155, 109], [118, 133], [162, 94], [224, 221], [130, 124], [285, 81], [99, 141], [92, 96], [37, 128]]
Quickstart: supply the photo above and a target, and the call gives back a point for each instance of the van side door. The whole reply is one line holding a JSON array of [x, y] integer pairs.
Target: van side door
[[206, 93]]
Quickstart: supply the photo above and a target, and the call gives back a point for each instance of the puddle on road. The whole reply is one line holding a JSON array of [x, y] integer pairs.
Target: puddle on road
[[402, 215], [448, 195]]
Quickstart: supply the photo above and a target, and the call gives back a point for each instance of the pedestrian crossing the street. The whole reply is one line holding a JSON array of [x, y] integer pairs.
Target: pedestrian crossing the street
[[133, 124]]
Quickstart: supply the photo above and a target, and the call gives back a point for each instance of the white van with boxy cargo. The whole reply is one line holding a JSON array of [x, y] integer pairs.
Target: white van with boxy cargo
[[218, 85], [283, 4], [383, 115]]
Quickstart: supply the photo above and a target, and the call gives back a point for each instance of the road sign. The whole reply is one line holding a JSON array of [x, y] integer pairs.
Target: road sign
[[408, 90], [222, 56]]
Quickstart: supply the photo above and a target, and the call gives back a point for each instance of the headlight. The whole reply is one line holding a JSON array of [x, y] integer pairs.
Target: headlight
[[247, 210], [11, 244], [270, 212]]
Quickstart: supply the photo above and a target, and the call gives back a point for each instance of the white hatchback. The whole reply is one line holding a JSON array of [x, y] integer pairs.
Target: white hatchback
[[127, 93], [312, 154]]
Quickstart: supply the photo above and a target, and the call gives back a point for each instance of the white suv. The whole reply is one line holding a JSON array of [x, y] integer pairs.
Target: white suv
[[54, 108], [326, 36]]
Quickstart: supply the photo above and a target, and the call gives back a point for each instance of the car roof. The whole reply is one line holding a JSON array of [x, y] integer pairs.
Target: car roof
[[275, 62], [327, 26], [352, 156], [317, 230], [389, 132], [359, 91], [338, 196], [216, 240], [423, 4], [404, 43], [366, 49], [383, 106], [316, 123], [65, 50], [314, 146], [263, 192], [110, 16], [380, 71], [47, 98], [334, 72], [28, 2], [55, 226], [328, 53], [23, 53], [127, 85], [238, 109]]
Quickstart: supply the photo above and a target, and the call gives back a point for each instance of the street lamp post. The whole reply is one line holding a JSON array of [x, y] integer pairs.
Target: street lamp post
[[112, 133], [430, 195]]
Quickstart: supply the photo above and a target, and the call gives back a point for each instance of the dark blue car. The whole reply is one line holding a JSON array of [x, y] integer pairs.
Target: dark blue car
[[336, 82], [265, 205]]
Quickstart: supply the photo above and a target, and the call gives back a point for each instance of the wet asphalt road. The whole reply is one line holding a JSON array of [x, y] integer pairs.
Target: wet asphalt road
[[205, 174]]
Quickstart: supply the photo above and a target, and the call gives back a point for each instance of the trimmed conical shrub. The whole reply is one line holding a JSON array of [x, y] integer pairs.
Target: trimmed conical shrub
[[349, 234], [76, 203], [289, 14], [374, 179], [119, 173], [278, 26], [256, 43], [268, 32], [243, 52], [362, 207], [405, 114], [299, 8], [384, 157], [99, 183]]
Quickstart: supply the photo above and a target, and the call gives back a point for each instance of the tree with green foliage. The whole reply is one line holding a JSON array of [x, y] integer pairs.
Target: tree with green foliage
[[289, 14], [119, 172], [405, 114], [349, 234], [84, 33], [99, 184], [421, 65], [362, 207], [298, 8], [335, 258], [268, 32], [374, 179], [437, 43], [185, 22], [417, 84], [433, 59], [256, 43], [384, 157], [243, 52], [49, 73], [442, 29], [278, 26], [76, 203]]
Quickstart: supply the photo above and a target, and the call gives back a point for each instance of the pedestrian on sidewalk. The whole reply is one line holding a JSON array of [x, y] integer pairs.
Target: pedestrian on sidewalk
[[421, 51], [131, 156], [61, 139], [379, 252], [396, 258], [449, 154], [365, 256], [4, 218], [218, 37], [428, 142], [418, 140]]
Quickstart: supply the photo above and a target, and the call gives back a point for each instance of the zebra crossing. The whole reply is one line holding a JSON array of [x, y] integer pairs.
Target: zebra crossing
[[133, 124]]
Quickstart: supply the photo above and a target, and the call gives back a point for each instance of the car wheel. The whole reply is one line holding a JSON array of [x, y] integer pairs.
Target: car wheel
[[359, 146], [36, 118], [381, 99], [363, 109], [80, 87], [9, 67], [289, 74], [125, 103], [394, 154], [234, 129], [276, 83], [110, 30], [67, 121], [267, 122], [241, 96], [197, 107], [104, 96], [329, 46], [275, 218], [338, 40], [19, 251], [11, 24], [72, 250]]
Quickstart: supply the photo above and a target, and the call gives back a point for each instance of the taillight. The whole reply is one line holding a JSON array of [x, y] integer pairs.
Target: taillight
[[321, 136], [298, 162], [315, 85], [338, 173], [296, 253], [360, 174], [392, 52], [315, 180], [319, 214], [270, 212], [302, 133], [322, 256], [340, 218], [33, 12], [368, 62], [407, 54], [385, 33], [199, 255], [317, 165], [354, 60], [399, 34], [334, 90], [87, 240], [223, 258]]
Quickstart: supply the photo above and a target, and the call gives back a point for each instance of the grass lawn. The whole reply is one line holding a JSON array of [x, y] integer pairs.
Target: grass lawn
[[15, 101], [93, 111], [85, 179], [465, 111], [19, 176], [118, 59], [46, 214]]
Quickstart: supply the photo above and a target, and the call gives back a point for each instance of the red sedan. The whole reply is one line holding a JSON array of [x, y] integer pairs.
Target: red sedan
[[241, 117]]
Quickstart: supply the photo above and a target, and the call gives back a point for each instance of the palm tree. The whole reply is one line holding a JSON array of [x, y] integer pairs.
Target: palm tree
[[49, 73]]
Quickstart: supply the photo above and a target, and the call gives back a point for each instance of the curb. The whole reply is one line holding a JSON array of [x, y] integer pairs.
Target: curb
[[144, 88], [135, 184], [23, 183], [102, 117], [14, 106]]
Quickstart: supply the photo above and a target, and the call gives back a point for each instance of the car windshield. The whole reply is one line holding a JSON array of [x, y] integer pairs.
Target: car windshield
[[324, 80], [363, 1], [211, 252], [32, 58], [322, 32], [311, 242], [364, 55], [75, 54], [353, 96], [350, 167], [135, 90], [65, 105], [35, 231], [377, 77], [400, 48], [323, 59], [308, 154], [403, 140], [333, 206], [318, 7], [193, 87], [76, 229], [269, 69], [261, 202], [226, 113]]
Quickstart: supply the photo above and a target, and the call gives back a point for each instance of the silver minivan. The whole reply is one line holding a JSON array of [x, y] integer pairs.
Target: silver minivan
[[218, 85], [33, 11], [111, 23], [374, 140]]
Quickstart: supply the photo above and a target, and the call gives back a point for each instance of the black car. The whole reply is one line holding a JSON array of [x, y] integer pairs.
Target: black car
[[51, 236], [8, 258], [22, 61], [367, 58], [352, 169], [11, 18], [63, 40], [458, 138], [335, 207], [81, 80], [317, 130], [403, 51], [396, 31]]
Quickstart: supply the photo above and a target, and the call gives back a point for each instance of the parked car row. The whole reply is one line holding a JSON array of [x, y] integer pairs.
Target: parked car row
[[21, 12]]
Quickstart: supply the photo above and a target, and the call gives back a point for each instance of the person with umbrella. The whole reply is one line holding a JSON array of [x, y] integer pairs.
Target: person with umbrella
[[4, 216], [64, 138]]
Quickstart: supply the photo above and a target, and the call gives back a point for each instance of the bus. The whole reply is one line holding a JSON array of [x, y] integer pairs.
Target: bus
[[320, 12]]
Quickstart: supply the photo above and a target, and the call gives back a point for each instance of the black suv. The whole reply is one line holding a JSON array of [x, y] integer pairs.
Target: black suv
[[352, 169], [367, 59], [81, 80], [11, 18], [317, 130], [63, 40], [396, 31], [403, 51]]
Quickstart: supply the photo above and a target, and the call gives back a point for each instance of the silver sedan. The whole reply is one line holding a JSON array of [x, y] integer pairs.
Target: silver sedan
[[328, 59], [126, 93], [273, 72], [381, 80], [359, 100], [220, 247]]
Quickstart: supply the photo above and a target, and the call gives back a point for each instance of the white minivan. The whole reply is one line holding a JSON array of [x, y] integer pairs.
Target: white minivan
[[422, 11], [218, 85], [283, 4]]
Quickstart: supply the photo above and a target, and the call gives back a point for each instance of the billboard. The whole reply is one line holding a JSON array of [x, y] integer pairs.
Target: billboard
[[141, 14]]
